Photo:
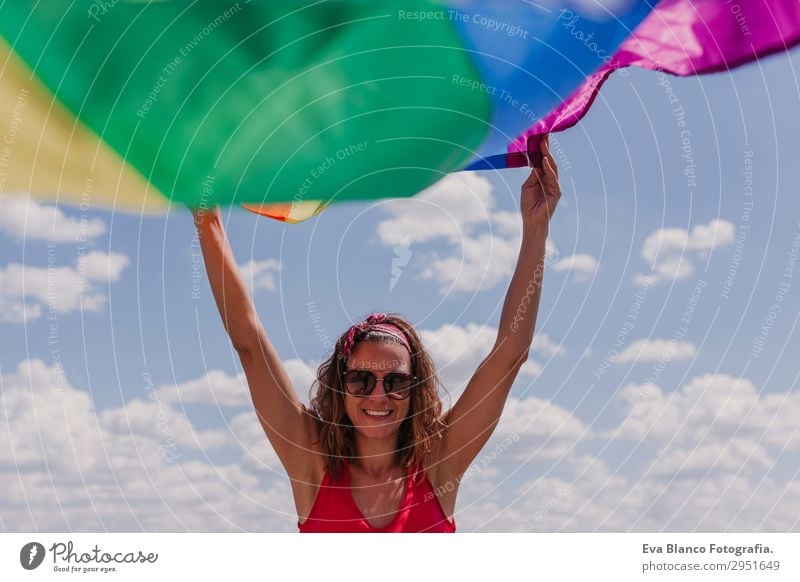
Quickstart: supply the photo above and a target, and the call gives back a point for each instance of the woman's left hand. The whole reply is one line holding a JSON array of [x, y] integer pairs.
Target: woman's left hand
[[541, 191]]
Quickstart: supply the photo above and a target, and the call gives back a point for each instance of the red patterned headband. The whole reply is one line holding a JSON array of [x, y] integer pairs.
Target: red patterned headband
[[375, 321]]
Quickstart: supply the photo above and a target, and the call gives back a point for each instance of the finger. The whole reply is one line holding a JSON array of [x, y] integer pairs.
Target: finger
[[548, 154], [546, 146], [553, 165], [550, 171], [543, 149], [535, 177]]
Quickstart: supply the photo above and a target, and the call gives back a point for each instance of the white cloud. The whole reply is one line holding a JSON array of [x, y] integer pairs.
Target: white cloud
[[46, 421], [703, 239], [259, 275], [543, 345], [65, 466], [147, 496], [27, 290], [51, 423], [710, 404], [663, 241], [546, 430], [302, 374], [476, 245], [582, 266], [714, 423], [257, 452], [593, 496], [216, 387], [458, 350], [484, 261], [530, 368], [670, 250], [711, 457], [26, 219], [706, 238], [653, 350], [151, 418], [716, 455], [674, 268], [12, 311], [101, 267], [440, 211], [509, 225]]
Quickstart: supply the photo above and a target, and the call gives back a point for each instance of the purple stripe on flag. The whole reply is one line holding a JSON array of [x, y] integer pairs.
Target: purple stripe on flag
[[681, 37]]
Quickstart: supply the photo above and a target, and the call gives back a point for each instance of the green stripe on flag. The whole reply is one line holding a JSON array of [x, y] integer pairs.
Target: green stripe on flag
[[264, 102]]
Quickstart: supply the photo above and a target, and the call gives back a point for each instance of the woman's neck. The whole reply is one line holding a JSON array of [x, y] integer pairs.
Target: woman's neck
[[376, 457]]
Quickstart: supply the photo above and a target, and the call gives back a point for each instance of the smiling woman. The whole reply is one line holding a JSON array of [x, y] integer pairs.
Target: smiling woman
[[378, 416], [374, 452]]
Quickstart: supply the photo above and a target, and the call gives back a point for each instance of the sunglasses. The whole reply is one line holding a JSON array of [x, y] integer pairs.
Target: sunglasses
[[361, 383]]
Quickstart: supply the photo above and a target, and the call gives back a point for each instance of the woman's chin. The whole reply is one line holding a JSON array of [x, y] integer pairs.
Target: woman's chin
[[377, 432], [377, 427]]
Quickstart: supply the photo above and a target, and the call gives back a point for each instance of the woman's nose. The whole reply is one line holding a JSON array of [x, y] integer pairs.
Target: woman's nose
[[382, 388]]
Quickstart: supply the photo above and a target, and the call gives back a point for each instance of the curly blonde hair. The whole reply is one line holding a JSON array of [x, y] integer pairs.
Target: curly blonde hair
[[418, 431]]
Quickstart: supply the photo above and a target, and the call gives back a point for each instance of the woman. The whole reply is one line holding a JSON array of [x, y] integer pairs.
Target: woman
[[374, 453]]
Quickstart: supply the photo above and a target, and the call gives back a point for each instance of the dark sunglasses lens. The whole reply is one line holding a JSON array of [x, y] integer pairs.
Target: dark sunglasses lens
[[399, 384], [359, 383]]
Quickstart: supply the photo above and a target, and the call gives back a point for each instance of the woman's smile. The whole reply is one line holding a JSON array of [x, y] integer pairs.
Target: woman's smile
[[379, 413]]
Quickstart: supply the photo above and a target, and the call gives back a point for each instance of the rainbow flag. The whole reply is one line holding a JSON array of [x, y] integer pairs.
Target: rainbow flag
[[287, 107]]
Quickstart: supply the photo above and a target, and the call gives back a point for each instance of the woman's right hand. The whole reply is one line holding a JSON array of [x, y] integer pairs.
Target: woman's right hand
[[541, 191], [200, 214]]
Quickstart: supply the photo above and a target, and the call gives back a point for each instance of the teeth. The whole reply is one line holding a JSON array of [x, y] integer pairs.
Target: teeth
[[378, 412]]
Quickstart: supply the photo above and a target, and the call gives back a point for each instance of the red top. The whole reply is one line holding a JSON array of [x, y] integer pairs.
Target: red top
[[335, 510]]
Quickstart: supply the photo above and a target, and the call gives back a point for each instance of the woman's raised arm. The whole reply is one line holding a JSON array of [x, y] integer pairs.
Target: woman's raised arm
[[475, 415], [280, 411]]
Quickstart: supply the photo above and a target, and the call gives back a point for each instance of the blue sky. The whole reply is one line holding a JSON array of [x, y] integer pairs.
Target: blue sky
[[136, 417]]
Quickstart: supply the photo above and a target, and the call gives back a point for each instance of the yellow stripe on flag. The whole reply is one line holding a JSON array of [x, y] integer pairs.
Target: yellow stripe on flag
[[46, 151]]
